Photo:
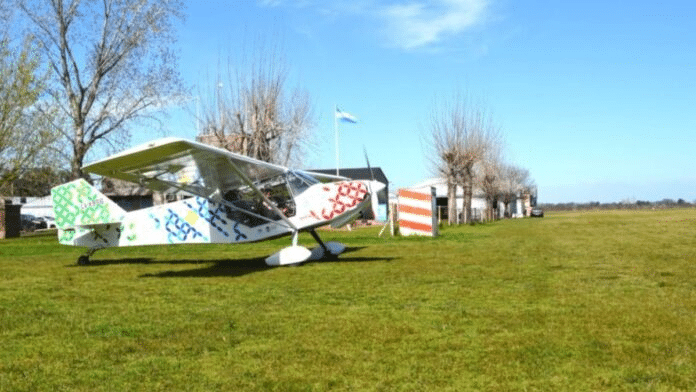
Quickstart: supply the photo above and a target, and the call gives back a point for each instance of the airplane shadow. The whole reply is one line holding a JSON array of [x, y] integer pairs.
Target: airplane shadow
[[228, 267]]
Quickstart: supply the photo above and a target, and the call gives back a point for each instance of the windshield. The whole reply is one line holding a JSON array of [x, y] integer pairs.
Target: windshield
[[299, 182]]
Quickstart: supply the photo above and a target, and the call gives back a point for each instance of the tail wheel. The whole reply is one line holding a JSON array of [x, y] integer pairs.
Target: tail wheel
[[83, 260]]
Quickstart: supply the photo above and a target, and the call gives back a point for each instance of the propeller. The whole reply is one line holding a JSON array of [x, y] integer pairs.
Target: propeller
[[369, 187], [372, 177]]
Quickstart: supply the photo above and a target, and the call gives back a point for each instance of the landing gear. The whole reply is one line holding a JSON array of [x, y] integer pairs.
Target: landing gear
[[84, 259], [296, 254], [318, 240], [326, 251]]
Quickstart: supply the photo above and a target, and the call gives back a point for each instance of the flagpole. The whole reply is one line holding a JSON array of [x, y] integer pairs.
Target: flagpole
[[336, 134]]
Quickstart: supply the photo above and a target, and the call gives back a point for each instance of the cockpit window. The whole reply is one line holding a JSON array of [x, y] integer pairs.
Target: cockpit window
[[276, 190], [299, 182]]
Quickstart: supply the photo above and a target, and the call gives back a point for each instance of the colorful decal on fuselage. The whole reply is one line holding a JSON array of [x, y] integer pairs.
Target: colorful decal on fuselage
[[79, 204], [339, 198], [214, 217], [85, 217]]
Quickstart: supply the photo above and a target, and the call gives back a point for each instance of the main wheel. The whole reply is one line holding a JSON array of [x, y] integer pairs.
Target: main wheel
[[83, 260]]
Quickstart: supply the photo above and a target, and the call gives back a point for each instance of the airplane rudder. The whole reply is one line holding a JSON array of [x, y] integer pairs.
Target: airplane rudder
[[79, 203]]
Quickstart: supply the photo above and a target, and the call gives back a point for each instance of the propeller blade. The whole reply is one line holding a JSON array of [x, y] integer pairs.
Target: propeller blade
[[372, 175]]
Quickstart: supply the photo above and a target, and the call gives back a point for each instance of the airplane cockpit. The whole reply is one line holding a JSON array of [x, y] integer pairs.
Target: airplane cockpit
[[299, 181], [281, 190]]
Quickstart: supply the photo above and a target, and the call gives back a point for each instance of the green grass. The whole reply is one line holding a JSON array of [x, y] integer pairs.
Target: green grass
[[574, 301]]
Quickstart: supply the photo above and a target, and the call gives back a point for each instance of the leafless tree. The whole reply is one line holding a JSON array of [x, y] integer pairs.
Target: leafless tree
[[445, 143], [515, 180], [110, 62], [460, 136], [253, 111], [26, 135], [489, 174]]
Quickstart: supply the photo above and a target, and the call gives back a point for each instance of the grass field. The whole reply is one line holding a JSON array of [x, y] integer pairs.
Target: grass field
[[573, 301]]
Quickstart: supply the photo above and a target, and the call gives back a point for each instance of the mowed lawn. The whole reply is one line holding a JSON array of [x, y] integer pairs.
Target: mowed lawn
[[573, 301]]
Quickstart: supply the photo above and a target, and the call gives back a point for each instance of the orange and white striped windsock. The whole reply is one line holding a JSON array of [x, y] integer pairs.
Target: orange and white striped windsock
[[417, 213]]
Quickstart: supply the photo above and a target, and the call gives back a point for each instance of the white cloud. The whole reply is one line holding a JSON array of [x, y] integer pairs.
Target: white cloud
[[270, 3], [420, 24], [408, 24]]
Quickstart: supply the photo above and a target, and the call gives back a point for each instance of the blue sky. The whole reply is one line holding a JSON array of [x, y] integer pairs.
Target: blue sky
[[597, 99]]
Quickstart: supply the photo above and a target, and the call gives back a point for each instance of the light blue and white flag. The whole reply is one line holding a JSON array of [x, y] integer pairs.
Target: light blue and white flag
[[345, 117]]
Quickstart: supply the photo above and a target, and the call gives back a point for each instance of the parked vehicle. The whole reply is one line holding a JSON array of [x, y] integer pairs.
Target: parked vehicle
[[31, 222], [50, 222], [28, 222], [537, 213]]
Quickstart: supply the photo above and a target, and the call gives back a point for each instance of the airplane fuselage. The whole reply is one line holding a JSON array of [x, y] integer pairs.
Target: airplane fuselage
[[89, 219]]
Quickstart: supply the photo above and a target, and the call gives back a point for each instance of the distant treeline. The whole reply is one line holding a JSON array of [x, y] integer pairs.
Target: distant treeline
[[627, 204]]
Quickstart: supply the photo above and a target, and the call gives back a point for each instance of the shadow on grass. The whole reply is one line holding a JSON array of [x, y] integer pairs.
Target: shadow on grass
[[240, 267], [228, 267]]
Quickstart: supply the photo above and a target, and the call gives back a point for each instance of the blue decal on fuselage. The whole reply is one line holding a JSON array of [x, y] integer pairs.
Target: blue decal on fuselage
[[214, 217], [177, 228]]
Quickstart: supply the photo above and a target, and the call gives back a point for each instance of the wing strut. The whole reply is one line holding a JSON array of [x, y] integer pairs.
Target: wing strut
[[275, 209], [246, 181], [221, 201]]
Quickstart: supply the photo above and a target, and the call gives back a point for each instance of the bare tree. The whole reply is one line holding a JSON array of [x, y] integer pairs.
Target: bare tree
[[111, 65], [489, 173], [514, 181], [445, 144], [25, 133], [460, 136], [481, 141], [253, 112]]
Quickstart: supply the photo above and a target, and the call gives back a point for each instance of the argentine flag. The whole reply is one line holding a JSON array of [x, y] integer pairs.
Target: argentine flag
[[345, 117]]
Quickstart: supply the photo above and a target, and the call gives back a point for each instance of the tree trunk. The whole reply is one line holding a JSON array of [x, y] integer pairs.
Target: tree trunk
[[80, 150], [467, 201], [467, 185], [451, 202], [489, 209]]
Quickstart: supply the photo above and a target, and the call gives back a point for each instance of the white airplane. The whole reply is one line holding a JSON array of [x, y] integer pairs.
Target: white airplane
[[234, 199]]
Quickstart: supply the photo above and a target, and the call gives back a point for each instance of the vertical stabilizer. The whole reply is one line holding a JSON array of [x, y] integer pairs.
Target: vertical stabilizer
[[78, 204]]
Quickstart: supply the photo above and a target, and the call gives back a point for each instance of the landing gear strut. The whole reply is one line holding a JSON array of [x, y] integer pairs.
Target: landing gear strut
[[318, 240], [328, 250]]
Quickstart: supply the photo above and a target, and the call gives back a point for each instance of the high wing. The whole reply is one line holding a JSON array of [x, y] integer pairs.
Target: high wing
[[173, 163], [321, 177]]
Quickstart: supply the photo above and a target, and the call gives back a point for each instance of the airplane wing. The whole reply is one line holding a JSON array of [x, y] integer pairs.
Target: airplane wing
[[172, 163], [321, 177], [200, 169]]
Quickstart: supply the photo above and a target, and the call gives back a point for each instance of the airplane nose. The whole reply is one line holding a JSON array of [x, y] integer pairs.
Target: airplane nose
[[374, 187]]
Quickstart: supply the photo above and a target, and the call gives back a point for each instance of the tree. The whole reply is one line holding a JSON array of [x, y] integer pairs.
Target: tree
[[445, 144], [39, 181], [460, 136], [25, 133], [111, 65], [490, 173], [253, 112], [515, 180]]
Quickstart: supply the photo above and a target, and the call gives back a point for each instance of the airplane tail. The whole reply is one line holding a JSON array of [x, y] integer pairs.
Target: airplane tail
[[79, 204]]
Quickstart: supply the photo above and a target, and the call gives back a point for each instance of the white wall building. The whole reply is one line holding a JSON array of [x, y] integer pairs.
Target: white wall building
[[36, 206], [478, 200]]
